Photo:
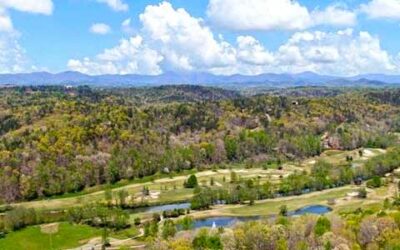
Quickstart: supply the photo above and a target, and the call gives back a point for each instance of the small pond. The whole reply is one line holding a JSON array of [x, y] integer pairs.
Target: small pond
[[313, 209], [161, 208], [228, 221], [223, 221]]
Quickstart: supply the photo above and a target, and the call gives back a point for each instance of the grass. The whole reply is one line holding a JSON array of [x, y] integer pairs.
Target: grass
[[272, 206], [68, 236], [351, 207], [126, 233]]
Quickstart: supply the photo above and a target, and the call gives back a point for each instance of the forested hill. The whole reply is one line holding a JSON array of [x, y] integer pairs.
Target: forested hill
[[177, 93], [55, 140]]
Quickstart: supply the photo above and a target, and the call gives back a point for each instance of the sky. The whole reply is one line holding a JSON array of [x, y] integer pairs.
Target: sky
[[344, 37]]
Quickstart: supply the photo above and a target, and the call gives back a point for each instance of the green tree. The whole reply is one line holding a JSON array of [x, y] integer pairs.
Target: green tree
[[322, 226], [122, 195], [186, 222], [169, 229], [375, 182], [283, 210], [191, 182]]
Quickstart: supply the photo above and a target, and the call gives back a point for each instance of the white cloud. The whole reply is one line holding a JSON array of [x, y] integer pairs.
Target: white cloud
[[32, 6], [334, 15], [13, 58], [116, 5], [171, 39], [258, 14], [339, 53], [382, 9], [252, 52], [275, 15], [185, 41], [5, 21], [129, 57], [100, 29]]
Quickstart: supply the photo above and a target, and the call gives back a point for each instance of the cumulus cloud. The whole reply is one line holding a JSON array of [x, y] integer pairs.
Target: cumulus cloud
[[251, 51], [32, 6], [258, 14], [129, 57], [340, 53], [116, 5], [334, 15], [171, 39], [389, 9], [274, 15], [184, 40], [13, 57], [100, 29]]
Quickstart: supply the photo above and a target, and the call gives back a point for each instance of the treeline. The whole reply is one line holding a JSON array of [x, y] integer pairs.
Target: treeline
[[95, 215], [62, 140]]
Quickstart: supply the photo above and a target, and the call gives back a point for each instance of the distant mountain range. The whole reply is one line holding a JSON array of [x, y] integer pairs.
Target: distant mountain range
[[234, 81]]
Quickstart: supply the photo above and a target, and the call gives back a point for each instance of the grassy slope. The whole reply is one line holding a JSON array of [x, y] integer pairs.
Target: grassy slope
[[32, 238]]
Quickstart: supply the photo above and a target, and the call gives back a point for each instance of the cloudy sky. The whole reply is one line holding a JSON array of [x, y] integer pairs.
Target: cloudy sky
[[249, 37]]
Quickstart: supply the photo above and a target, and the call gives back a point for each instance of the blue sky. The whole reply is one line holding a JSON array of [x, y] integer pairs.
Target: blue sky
[[218, 36]]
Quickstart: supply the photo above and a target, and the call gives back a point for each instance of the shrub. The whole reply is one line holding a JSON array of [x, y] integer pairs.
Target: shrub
[[323, 225], [137, 221], [191, 182], [362, 193], [283, 210], [375, 182]]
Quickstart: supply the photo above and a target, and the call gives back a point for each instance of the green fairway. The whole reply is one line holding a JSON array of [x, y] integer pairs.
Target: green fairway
[[272, 206], [31, 238]]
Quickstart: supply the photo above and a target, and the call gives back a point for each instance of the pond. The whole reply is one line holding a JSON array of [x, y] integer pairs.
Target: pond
[[313, 209], [228, 221], [222, 221], [161, 208]]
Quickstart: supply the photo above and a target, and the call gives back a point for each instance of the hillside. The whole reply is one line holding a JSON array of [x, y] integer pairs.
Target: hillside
[[49, 133], [176, 93]]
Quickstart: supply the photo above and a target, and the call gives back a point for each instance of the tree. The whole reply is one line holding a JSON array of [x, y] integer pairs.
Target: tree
[[169, 229], [283, 210], [191, 182], [203, 198], [122, 195], [186, 222], [204, 240], [231, 148], [322, 226], [375, 182]]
